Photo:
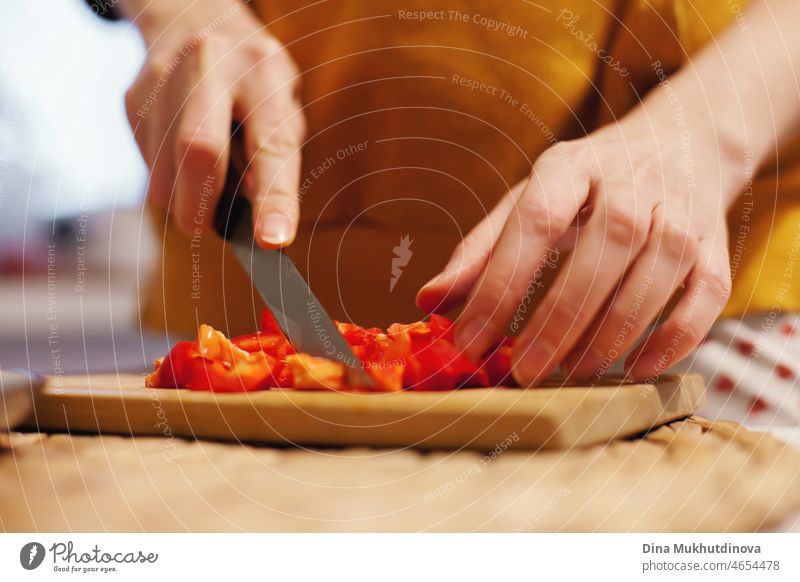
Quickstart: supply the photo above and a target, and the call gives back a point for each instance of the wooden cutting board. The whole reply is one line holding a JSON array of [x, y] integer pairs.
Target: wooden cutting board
[[551, 417]]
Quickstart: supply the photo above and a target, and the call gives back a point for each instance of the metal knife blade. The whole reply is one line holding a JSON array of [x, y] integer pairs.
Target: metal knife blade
[[297, 310]]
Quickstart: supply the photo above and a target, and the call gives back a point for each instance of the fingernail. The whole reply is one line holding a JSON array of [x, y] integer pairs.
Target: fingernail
[[276, 229], [532, 363], [647, 365]]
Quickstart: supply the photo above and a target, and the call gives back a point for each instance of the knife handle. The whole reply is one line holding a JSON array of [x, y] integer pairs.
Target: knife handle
[[232, 209], [233, 206]]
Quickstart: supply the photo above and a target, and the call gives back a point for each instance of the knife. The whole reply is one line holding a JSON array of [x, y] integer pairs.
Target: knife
[[299, 313]]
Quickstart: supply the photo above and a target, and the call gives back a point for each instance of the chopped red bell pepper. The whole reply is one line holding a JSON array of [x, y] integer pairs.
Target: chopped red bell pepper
[[175, 369], [253, 373], [310, 372], [416, 356], [442, 328], [438, 365], [268, 325], [497, 365], [225, 367], [276, 346]]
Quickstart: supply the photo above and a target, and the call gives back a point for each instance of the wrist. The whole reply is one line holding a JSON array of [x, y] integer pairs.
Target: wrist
[[706, 128]]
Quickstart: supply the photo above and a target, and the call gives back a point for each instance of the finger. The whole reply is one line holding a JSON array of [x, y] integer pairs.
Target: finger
[[540, 217], [451, 287], [707, 291], [163, 116], [161, 186], [614, 236], [144, 117], [201, 153], [274, 132], [663, 265]]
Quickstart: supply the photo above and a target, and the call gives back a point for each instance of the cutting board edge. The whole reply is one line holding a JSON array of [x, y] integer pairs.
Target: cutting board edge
[[63, 412]]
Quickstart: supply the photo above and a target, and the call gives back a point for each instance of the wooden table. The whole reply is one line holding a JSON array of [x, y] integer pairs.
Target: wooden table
[[692, 475]]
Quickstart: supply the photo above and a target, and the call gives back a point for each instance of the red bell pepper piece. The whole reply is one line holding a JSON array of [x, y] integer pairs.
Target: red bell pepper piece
[[310, 372], [269, 326], [276, 346], [174, 370], [253, 373], [497, 364], [440, 366], [357, 335], [388, 375], [225, 367], [442, 327]]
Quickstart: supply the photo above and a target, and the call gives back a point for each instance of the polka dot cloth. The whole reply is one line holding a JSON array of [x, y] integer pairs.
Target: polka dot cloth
[[751, 368]]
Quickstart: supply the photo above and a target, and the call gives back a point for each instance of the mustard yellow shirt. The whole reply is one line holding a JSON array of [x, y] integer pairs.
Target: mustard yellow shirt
[[422, 115]]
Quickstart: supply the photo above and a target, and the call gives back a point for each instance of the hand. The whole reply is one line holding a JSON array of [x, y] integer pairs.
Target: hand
[[649, 200], [210, 63]]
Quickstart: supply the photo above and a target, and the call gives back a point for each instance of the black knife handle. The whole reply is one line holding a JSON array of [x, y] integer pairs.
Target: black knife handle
[[231, 209], [233, 205]]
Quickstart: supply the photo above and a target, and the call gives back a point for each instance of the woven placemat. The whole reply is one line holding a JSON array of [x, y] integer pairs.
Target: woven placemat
[[691, 475]]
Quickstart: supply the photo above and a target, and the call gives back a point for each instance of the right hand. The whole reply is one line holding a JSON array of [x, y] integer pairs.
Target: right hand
[[210, 63]]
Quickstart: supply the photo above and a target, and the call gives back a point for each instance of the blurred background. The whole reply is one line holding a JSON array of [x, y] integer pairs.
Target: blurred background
[[71, 189]]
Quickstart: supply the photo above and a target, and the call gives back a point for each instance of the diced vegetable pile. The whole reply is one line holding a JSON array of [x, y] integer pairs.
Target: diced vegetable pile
[[415, 356]]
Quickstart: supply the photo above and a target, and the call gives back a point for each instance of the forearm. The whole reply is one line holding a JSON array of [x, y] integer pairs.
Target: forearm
[[745, 82]]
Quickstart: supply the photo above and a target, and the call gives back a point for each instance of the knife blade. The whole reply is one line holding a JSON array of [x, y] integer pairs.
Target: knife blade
[[298, 312]]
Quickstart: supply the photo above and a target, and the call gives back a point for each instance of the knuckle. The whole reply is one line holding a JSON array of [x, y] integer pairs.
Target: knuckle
[[624, 226], [278, 198], [687, 333], [539, 216], [276, 143], [566, 315], [256, 52], [157, 65], [264, 48], [207, 47], [490, 294], [718, 282], [561, 154], [485, 316], [678, 241], [196, 147], [693, 334], [621, 314], [650, 170]]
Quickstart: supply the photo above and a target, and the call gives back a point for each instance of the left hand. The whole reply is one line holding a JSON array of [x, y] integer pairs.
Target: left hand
[[649, 197]]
